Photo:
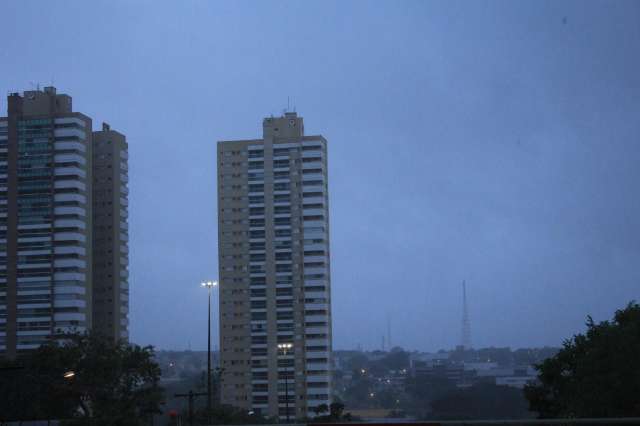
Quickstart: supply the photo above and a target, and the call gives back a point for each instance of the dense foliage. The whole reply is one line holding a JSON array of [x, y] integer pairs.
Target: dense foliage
[[112, 383], [596, 374], [480, 402]]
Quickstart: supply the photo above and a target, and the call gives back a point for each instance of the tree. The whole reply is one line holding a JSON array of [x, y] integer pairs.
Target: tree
[[421, 391], [594, 375], [321, 409], [336, 409], [480, 402], [113, 383]]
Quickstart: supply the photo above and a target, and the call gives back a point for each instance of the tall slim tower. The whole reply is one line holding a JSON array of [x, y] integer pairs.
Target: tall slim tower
[[273, 236], [111, 234], [46, 220], [466, 325]]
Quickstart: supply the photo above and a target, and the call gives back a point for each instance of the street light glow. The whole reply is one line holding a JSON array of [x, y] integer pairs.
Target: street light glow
[[69, 374], [285, 346], [209, 284]]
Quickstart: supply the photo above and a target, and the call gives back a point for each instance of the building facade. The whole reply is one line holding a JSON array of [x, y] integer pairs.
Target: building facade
[[46, 221], [274, 269], [110, 233]]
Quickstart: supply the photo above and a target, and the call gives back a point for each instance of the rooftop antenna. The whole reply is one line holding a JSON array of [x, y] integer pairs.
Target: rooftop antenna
[[466, 325], [287, 103]]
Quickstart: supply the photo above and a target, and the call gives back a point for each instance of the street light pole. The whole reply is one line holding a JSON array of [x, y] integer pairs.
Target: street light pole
[[284, 347], [209, 285]]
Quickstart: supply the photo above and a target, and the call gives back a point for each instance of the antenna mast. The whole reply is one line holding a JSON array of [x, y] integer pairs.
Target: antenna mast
[[466, 325], [389, 331]]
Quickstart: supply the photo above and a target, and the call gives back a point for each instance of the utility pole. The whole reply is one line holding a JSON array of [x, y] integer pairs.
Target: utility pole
[[209, 285], [284, 347], [190, 397]]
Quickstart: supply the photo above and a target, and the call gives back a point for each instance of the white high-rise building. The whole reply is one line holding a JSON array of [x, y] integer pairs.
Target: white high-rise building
[[274, 257]]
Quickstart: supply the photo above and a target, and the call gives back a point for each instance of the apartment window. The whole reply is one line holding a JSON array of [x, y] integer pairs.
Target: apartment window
[[286, 326], [257, 316], [282, 244], [282, 221], [312, 194], [287, 303], [284, 315], [258, 281], [285, 363], [311, 171], [281, 198], [312, 241], [259, 340], [283, 256], [257, 246], [256, 234], [283, 268], [313, 206], [255, 176], [260, 399], [286, 279], [262, 387], [284, 291], [260, 375], [258, 292]]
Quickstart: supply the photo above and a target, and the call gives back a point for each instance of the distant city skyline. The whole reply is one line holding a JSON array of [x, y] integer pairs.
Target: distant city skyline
[[494, 143]]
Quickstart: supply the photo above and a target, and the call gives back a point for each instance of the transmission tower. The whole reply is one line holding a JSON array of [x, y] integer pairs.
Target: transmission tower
[[466, 325]]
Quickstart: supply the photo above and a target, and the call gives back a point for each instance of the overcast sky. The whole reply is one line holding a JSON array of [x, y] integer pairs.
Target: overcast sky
[[492, 142]]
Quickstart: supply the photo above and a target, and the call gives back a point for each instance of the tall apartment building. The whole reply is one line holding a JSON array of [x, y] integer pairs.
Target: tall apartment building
[[46, 220], [273, 236], [110, 233]]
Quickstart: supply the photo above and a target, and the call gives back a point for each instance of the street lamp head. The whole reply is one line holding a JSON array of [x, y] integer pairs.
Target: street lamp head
[[69, 374], [209, 284], [285, 346]]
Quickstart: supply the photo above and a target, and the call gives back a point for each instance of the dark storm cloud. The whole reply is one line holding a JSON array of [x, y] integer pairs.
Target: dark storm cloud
[[495, 143]]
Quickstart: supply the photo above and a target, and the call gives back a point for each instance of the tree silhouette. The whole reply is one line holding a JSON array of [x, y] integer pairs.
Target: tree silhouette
[[596, 374]]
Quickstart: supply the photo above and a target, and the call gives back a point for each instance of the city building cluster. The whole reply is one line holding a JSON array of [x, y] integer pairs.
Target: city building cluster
[[64, 248], [63, 224]]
